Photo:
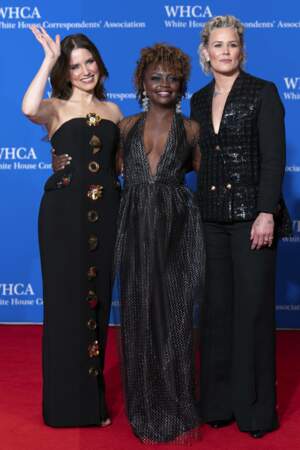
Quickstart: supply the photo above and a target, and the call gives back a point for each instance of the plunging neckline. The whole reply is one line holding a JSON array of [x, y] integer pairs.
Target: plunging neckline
[[222, 115], [165, 146], [225, 105]]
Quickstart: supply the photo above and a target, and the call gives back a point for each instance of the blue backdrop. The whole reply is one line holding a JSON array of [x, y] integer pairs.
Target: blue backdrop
[[119, 29]]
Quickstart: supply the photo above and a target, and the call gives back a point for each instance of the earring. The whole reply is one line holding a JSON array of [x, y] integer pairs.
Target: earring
[[145, 102], [178, 106]]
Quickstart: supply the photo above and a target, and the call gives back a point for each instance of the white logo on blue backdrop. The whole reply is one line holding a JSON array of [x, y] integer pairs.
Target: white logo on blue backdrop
[[120, 30]]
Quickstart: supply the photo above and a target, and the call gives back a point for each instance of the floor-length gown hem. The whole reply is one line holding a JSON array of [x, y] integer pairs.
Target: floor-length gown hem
[[159, 258]]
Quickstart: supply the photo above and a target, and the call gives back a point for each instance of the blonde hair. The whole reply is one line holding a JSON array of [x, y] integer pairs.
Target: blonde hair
[[212, 24]]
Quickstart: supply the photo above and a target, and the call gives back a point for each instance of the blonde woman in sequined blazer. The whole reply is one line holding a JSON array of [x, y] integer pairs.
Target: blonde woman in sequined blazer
[[242, 143]]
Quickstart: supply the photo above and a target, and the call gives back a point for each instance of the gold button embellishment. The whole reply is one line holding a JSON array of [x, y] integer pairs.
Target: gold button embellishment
[[92, 272], [213, 188], [95, 143], [93, 119], [91, 324], [95, 192], [93, 242], [218, 147], [92, 299], [93, 349], [93, 216], [228, 186], [93, 371], [94, 167]]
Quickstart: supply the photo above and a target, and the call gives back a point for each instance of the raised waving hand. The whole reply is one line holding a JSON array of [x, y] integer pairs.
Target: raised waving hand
[[51, 47], [34, 106]]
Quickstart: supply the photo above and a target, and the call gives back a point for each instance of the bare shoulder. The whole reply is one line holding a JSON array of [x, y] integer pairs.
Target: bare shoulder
[[191, 125], [56, 108], [111, 111], [192, 129], [127, 123], [130, 120], [57, 105]]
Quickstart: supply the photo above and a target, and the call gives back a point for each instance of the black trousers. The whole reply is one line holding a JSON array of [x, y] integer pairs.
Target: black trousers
[[238, 329]]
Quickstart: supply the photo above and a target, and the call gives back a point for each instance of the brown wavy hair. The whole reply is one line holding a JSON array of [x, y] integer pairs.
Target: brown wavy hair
[[61, 86], [164, 54]]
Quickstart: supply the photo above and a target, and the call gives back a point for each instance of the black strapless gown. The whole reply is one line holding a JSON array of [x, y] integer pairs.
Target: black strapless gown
[[77, 227], [160, 260]]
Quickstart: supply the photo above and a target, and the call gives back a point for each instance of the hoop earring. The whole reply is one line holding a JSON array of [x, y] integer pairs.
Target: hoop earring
[[145, 102]]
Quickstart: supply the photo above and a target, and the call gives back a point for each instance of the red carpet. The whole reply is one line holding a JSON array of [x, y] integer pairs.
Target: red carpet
[[22, 428]]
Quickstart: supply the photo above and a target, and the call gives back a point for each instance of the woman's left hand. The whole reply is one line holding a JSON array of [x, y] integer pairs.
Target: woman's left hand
[[262, 231]]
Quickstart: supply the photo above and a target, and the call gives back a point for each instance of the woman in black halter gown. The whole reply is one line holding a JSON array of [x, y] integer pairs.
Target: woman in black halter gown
[[77, 225], [160, 253]]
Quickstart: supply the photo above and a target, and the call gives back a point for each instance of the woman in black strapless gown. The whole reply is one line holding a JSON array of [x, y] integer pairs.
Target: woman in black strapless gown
[[77, 226]]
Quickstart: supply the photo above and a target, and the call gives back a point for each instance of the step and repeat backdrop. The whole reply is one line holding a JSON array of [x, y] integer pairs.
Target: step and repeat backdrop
[[120, 28]]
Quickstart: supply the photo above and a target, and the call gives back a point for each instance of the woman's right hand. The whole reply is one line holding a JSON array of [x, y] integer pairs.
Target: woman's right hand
[[60, 162], [51, 47]]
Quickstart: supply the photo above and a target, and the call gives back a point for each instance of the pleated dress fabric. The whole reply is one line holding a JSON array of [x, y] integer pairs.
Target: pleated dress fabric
[[77, 228], [160, 263]]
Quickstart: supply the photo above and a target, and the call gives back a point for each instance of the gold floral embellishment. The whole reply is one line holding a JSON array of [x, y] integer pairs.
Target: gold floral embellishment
[[94, 349], [93, 119]]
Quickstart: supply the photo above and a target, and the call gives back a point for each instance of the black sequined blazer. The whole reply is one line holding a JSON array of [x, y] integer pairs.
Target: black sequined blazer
[[243, 165]]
